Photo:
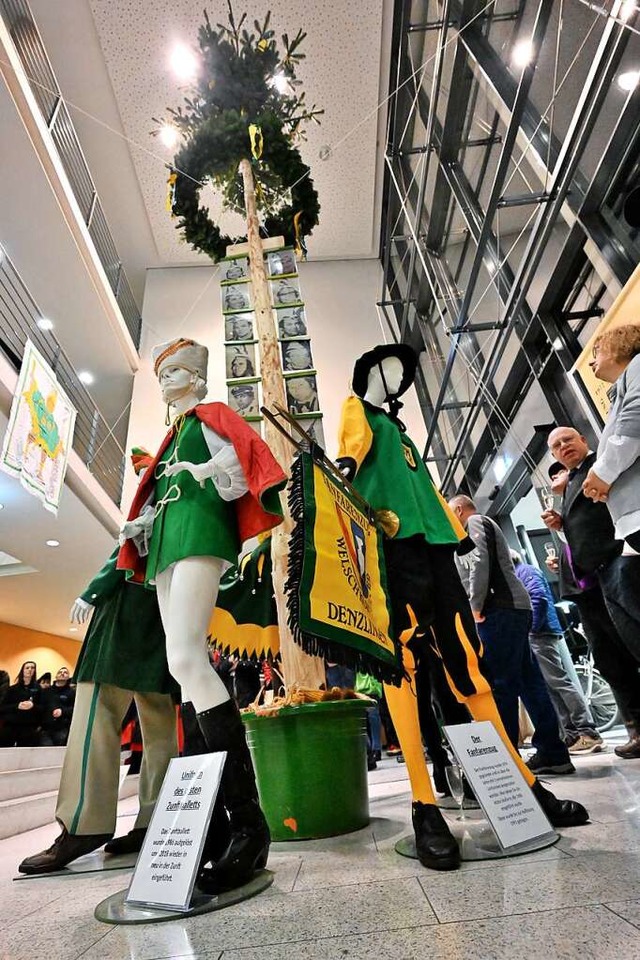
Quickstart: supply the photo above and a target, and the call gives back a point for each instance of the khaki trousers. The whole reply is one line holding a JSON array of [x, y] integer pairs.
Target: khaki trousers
[[88, 794]]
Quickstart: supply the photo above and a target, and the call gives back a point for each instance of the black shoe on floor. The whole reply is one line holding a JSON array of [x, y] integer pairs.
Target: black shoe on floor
[[130, 843], [561, 813], [539, 766], [435, 845], [64, 849]]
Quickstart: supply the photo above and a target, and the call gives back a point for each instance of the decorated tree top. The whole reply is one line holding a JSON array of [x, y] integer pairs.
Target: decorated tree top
[[245, 102]]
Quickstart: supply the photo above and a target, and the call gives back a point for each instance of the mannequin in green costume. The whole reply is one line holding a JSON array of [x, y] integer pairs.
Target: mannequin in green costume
[[429, 604], [123, 657], [212, 484]]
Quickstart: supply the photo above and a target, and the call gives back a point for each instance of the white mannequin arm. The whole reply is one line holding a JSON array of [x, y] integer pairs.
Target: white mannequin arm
[[223, 469], [80, 611]]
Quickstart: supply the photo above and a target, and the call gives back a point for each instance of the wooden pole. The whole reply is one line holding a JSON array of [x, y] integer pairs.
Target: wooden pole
[[298, 667]]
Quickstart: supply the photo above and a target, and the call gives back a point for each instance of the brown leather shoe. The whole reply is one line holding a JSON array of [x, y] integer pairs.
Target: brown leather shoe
[[629, 750], [65, 848]]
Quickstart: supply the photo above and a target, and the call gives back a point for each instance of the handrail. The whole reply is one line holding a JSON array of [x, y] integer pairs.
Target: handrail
[[93, 440], [37, 66]]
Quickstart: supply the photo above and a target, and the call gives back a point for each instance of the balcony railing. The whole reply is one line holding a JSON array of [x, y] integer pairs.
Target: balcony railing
[[93, 441], [28, 43]]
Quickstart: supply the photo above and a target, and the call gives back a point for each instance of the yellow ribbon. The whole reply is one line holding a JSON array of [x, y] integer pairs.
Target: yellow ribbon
[[171, 190], [300, 249], [255, 135]]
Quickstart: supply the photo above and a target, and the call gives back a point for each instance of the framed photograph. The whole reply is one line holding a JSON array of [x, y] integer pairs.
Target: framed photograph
[[302, 394], [237, 268], [243, 399], [292, 323], [286, 292], [296, 355], [313, 427], [282, 263], [236, 297], [238, 326], [240, 360]]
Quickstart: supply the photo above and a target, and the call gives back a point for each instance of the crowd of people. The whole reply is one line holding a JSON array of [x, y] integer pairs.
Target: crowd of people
[[36, 711]]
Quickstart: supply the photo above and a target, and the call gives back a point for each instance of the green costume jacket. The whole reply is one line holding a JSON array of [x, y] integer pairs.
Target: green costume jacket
[[391, 475], [125, 642]]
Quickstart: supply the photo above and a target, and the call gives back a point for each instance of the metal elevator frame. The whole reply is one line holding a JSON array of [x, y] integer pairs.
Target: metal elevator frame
[[426, 184]]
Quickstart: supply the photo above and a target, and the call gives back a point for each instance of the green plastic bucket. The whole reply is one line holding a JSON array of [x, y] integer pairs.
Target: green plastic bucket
[[311, 768]]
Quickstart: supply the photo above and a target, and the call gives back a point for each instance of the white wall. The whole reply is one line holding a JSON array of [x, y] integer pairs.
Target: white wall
[[340, 299]]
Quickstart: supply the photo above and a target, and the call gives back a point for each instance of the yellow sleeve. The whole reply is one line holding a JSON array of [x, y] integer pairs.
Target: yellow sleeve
[[458, 529], [354, 434]]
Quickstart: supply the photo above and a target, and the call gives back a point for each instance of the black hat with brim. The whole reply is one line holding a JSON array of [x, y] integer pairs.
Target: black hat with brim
[[556, 467], [365, 364]]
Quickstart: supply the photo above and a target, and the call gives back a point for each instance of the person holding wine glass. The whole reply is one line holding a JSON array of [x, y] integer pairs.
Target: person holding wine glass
[[596, 554]]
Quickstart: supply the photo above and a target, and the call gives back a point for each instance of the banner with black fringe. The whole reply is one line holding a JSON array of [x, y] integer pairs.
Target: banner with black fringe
[[336, 588], [245, 621]]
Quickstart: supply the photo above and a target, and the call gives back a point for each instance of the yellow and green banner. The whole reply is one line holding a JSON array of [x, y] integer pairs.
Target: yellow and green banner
[[336, 588]]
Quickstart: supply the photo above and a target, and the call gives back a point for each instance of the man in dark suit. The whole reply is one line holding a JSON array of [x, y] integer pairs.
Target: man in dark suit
[[594, 552]]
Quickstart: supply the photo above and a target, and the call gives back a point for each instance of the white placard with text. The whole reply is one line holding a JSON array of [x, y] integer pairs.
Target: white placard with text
[[168, 862], [504, 795]]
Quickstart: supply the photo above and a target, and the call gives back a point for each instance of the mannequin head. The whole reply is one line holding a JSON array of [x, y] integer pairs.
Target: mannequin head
[[181, 368], [383, 374], [390, 372]]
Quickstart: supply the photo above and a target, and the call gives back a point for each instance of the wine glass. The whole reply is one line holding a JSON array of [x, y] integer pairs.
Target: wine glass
[[550, 550], [455, 780], [548, 497]]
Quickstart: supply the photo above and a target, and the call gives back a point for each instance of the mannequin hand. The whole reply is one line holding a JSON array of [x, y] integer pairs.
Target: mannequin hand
[[199, 471], [130, 529], [347, 467], [477, 616], [552, 519], [26, 705], [80, 611]]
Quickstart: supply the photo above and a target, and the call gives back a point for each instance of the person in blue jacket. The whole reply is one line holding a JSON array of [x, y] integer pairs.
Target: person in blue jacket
[[554, 659]]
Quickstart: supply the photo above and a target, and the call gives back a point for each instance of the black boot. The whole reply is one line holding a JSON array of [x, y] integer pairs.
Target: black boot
[[561, 813], [248, 847], [435, 845], [218, 834]]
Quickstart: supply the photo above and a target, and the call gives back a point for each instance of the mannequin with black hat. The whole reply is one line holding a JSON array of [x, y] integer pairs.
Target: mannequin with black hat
[[430, 610], [213, 484]]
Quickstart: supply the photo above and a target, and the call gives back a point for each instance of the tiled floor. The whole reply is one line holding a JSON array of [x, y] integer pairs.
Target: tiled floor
[[354, 898]]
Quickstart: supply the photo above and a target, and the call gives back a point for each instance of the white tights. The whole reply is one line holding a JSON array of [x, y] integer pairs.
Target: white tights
[[187, 593]]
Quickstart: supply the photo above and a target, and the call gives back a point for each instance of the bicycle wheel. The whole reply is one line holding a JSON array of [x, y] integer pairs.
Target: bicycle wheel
[[602, 701]]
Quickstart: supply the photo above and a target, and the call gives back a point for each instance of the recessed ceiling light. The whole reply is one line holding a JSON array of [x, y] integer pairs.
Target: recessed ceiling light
[[85, 377], [183, 62], [73, 629], [1, 506], [522, 53], [629, 81], [52, 543], [44, 324], [169, 135]]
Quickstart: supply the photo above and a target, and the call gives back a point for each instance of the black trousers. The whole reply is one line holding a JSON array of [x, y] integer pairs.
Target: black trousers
[[423, 581], [611, 655]]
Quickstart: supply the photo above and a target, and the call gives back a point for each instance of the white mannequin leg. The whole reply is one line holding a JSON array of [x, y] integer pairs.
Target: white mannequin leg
[[187, 593]]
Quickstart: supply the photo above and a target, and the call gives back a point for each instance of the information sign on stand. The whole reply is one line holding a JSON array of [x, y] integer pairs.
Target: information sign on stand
[[504, 795], [168, 863]]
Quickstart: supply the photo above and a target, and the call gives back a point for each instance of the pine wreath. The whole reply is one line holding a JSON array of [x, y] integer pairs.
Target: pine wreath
[[235, 91]]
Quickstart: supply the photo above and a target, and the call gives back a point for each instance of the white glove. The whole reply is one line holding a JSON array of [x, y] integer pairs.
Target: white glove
[[80, 611], [138, 530], [223, 469]]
